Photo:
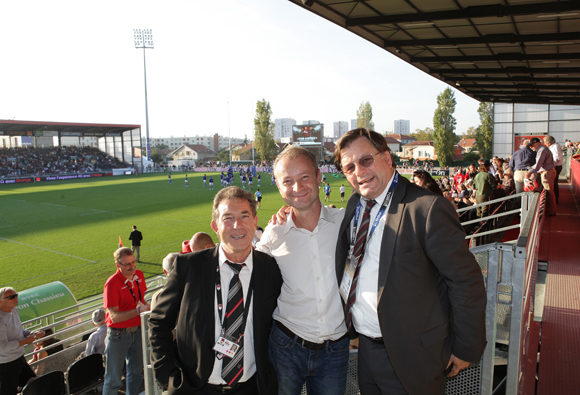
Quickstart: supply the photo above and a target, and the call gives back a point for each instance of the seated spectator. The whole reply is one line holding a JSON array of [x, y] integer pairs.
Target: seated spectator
[[508, 184], [96, 342], [40, 345], [424, 180]]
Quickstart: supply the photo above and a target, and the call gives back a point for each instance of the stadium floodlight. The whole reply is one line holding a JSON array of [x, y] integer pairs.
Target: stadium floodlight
[[144, 39]]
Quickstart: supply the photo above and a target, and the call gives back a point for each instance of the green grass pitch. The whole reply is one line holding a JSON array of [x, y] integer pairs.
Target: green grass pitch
[[68, 230]]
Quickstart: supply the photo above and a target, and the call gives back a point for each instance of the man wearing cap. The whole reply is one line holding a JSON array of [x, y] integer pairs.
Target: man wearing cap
[[522, 160], [545, 167], [96, 342], [124, 299]]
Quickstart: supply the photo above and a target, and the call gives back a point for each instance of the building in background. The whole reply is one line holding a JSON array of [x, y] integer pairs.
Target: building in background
[[215, 143], [514, 121], [283, 128], [403, 139], [352, 124], [340, 128], [401, 126]]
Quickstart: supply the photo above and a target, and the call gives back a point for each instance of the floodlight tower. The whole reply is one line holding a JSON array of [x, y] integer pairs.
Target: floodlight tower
[[144, 39]]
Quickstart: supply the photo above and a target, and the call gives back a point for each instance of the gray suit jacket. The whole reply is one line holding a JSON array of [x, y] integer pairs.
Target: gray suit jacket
[[184, 365], [430, 292]]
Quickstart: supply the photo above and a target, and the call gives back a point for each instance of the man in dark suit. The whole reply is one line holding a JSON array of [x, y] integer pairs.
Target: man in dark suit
[[415, 293], [200, 295], [136, 238]]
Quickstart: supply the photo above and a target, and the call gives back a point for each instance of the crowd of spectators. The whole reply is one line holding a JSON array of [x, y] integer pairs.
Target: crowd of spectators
[[33, 161]]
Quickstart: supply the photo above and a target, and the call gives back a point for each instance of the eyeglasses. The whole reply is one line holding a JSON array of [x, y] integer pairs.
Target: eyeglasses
[[365, 161], [11, 297], [128, 264]]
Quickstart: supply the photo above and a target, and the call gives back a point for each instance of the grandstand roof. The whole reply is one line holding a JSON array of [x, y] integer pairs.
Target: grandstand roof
[[28, 128], [524, 51]]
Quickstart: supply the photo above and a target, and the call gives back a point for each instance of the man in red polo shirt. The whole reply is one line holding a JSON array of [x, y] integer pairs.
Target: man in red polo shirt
[[124, 299]]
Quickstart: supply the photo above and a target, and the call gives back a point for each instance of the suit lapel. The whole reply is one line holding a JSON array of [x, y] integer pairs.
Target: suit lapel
[[257, 279], [390, 234], [209, 289], [342, 244]]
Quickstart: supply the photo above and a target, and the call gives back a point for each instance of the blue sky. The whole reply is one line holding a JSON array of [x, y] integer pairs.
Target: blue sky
[[73, 61]]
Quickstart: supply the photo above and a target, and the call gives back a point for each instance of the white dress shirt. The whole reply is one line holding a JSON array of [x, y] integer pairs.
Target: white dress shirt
[[364, 310], [557, 154], [309, 303], [226, 274]]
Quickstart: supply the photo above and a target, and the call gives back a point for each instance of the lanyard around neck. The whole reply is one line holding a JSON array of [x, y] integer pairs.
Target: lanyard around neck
[[379, 214], [221, 307]]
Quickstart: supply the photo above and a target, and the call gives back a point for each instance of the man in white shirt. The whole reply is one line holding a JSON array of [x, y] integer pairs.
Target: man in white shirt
[[308, 342], [558, 156]]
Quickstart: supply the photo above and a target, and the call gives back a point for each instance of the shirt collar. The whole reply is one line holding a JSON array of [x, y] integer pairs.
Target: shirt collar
[[325, 214], [222, 259]]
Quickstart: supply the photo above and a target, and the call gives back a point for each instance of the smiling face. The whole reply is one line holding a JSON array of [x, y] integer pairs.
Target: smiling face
[[127, 265], [235, 226], [370, 181], [298, 182]]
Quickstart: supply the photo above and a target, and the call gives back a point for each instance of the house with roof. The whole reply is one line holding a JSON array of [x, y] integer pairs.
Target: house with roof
[[192, 153], [394, 144], [421, 150], [401, 138], [468, 145], [244, 153]]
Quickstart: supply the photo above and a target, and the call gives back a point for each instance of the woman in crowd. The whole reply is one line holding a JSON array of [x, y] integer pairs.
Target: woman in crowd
[[14, 371], [424, 179], [41, 345]]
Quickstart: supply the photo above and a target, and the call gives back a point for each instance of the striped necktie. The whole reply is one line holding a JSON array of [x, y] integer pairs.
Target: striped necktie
[[361, 239], [232, 368]]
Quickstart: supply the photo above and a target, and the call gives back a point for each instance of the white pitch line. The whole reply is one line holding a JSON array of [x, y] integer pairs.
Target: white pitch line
[[10, 256], [17, 200], [7, 226], [47, 249], [50, 204], [99, 212]]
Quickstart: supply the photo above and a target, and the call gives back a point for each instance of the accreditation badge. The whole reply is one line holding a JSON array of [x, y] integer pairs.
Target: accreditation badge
[[226, 347], [348, 275]]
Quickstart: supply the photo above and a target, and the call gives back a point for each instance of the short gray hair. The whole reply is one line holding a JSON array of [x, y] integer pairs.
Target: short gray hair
[[549, 139], [169, 261], [4, 290], [121, 252]]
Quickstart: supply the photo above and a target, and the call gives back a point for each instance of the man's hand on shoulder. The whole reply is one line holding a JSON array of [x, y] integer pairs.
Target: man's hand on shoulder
[[458, 365], [280, 217]]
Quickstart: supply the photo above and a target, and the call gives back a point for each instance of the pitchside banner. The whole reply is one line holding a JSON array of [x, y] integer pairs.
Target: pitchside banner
[[308, 134]]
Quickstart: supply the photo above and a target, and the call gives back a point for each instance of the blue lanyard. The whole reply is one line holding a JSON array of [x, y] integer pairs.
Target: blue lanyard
[[379, 214]]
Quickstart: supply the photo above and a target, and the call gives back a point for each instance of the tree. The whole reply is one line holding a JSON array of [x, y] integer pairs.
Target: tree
[[223, 156], [444, 124], [161, 146], [470, 133], [423, 134], [364, 116], [263, 131], [156, 156], [484, 135]]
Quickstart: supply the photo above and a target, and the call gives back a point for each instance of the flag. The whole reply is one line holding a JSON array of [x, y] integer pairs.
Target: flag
[[120, 242]]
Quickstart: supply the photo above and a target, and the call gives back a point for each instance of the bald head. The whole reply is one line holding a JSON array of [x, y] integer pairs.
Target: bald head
[[201, 241]]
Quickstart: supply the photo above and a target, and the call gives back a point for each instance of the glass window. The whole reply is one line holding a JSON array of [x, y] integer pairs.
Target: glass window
[[531, 128], [531, 116]]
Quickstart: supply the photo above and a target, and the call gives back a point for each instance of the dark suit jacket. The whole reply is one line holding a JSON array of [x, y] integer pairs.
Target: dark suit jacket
[[136, 237], [431, 297], [184, 366]]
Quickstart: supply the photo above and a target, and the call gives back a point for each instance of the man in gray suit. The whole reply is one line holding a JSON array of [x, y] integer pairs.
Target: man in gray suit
[[412, 290]]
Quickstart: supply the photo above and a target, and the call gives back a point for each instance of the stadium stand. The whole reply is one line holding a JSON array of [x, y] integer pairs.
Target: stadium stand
[[55, 160]]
